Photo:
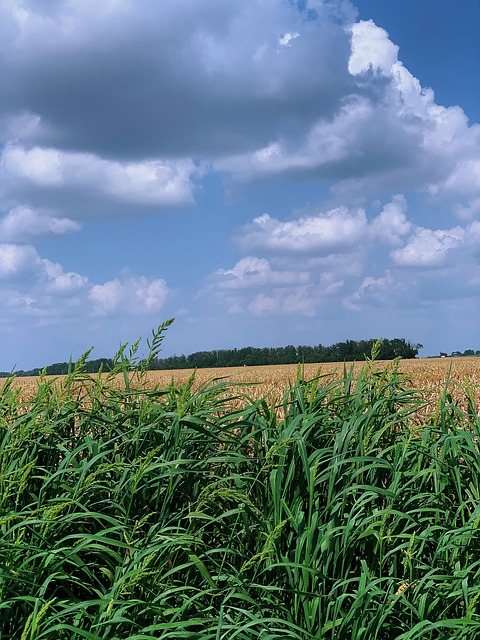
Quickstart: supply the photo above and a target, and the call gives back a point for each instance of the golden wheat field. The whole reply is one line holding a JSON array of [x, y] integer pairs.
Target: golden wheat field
[[428, 375]]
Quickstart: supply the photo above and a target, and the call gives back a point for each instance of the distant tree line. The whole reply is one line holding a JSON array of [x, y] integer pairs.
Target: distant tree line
[[61, 368], [457, 354], [250, 356]]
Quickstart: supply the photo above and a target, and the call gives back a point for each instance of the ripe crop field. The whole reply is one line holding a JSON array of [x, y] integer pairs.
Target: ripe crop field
[[340, 507], [427, 375]]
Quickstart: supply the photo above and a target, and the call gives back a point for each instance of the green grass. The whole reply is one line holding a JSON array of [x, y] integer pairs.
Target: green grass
[[163, 513]]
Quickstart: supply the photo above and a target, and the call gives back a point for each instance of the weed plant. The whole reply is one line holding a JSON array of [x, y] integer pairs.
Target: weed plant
[[163, 513]]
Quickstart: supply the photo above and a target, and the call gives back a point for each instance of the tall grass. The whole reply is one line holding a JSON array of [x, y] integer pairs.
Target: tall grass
[[163, 513]]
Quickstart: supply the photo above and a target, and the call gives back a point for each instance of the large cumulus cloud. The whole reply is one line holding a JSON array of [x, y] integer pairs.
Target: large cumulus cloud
[[138, 93], [177, 78]]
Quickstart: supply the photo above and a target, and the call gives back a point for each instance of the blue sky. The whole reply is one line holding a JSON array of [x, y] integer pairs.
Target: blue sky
[[268, 172]]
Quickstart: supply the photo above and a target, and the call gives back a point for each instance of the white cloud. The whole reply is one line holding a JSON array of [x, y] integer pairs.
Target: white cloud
[[330, 148], [281, 291], [392, 223], [464, 180], [61, 282], [371, 290], [130, 295], [256, 287], [428, 247], [150, 294], [295, 302], [322, 257], [106, 297], [326, 256], [371, 49], [152, 182], [40, 288], [255, 272], [337, 230], [17, 260], [287, 38], [388, 133], [23, 222]]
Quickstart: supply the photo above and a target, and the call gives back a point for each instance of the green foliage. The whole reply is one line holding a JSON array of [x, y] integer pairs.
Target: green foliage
[[165, 513], [339, 352], [457, 354]]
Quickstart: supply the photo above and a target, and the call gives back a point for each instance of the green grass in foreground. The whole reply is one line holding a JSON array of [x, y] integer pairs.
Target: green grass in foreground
[[146, 514]]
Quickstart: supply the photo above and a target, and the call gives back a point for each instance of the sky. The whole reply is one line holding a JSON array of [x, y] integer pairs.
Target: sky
[[267, 172]]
